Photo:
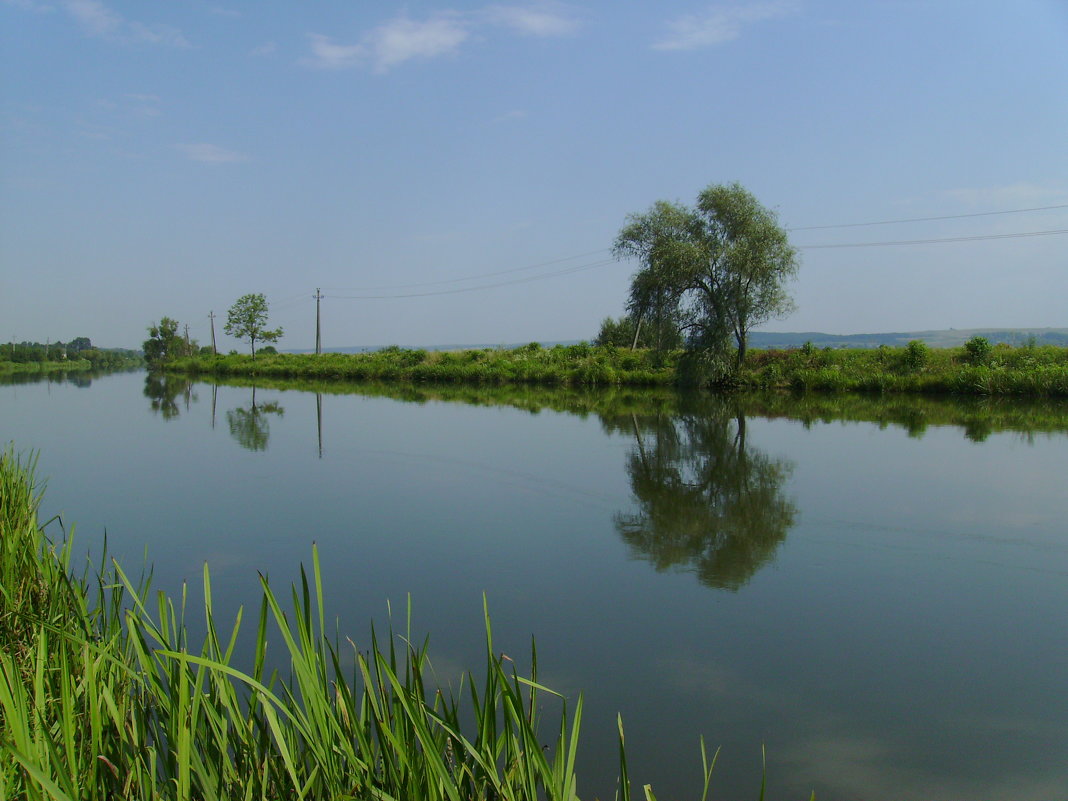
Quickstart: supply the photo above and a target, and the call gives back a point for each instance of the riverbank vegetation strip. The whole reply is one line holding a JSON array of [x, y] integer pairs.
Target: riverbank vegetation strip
[[103, 695], [975, 369]]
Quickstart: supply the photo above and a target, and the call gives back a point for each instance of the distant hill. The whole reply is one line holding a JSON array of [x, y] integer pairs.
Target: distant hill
[[954, 337], [951, 338]]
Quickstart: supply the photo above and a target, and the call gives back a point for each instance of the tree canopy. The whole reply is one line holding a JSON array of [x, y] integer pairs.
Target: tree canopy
[[163, 342], [711, 272], [247, 319]]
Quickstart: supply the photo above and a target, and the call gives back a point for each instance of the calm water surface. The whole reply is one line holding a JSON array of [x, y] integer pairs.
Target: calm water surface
[[874, 591]]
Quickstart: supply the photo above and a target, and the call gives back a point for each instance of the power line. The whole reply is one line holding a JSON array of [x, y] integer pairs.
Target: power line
[[509, 271], [604, 262], [526, 280], [926, 219], [468, 277], [935, 241]]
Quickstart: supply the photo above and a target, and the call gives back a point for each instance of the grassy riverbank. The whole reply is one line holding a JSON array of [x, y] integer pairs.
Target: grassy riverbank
[[68, 365], [999, 370], [562, 365], [972, 370], [103, 695]]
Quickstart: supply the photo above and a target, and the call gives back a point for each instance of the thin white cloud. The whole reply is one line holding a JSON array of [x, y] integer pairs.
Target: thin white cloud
[[548, 19], [1016, 195], [98, 20], [392, 43], [265, 49], [210, 154], [328, 55], [403, 39], [720, 24]]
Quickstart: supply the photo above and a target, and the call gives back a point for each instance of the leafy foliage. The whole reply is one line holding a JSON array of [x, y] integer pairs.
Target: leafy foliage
[[712, 272], [247, 319], [164, 343], [977, 350]]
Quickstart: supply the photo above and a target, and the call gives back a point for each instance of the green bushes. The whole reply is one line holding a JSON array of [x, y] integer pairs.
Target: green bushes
[[915, 368], [916, 355], [574, 365], [975, 369], [977, 350]]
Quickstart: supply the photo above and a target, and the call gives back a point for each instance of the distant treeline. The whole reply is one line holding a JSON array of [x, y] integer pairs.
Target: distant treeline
[[78, 354]]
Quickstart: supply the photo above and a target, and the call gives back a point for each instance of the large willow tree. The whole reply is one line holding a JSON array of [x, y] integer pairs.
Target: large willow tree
[[715, 270]]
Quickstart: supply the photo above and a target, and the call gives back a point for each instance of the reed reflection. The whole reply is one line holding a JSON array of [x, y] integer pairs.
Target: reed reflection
[[707, 501]]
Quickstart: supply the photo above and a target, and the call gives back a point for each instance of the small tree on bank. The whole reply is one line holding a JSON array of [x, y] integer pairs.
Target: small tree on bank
[[164, 343], [247, 319]]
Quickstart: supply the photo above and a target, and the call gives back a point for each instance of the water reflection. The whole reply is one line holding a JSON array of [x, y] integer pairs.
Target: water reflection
[[164, 391], [79, 378], [975, 417], [707, 500], [250, 425]]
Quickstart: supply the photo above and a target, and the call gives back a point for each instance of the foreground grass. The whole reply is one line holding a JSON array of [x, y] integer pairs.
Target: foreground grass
[[103, 696], [1024, 371]]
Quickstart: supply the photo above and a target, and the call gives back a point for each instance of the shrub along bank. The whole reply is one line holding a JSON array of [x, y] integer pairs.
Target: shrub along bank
[[565, 365], [975, 369]]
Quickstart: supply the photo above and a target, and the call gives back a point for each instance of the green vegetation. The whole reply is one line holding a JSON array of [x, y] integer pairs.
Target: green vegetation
[[1028, 371], [103, 695], [164, 344], [976, 369], [570, 365], [247, 319], [76, 355], [709, 273]]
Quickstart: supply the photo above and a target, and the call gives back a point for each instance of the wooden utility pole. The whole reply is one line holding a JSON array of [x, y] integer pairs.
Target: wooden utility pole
[[318, 326], [214, 350], [187, 339]]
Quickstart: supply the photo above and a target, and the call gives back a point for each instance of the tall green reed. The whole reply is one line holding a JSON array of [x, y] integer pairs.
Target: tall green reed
[[104, 696]]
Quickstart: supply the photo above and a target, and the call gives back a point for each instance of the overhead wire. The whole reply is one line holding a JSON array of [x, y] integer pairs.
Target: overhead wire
[[362, 292], [926, 219], [528, 279], [979, 238], [467, 277]]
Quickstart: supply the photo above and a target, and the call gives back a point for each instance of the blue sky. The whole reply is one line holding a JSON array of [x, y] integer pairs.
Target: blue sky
[[165, 158]]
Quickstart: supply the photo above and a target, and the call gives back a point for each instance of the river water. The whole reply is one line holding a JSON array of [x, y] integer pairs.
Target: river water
[[873, 591]]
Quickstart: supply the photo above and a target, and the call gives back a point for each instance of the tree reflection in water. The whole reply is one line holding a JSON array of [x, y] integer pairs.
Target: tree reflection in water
[[163, 390], [250, 426], [707, 500]]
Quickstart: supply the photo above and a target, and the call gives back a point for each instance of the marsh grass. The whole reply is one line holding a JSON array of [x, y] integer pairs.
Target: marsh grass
[[103, 696]]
